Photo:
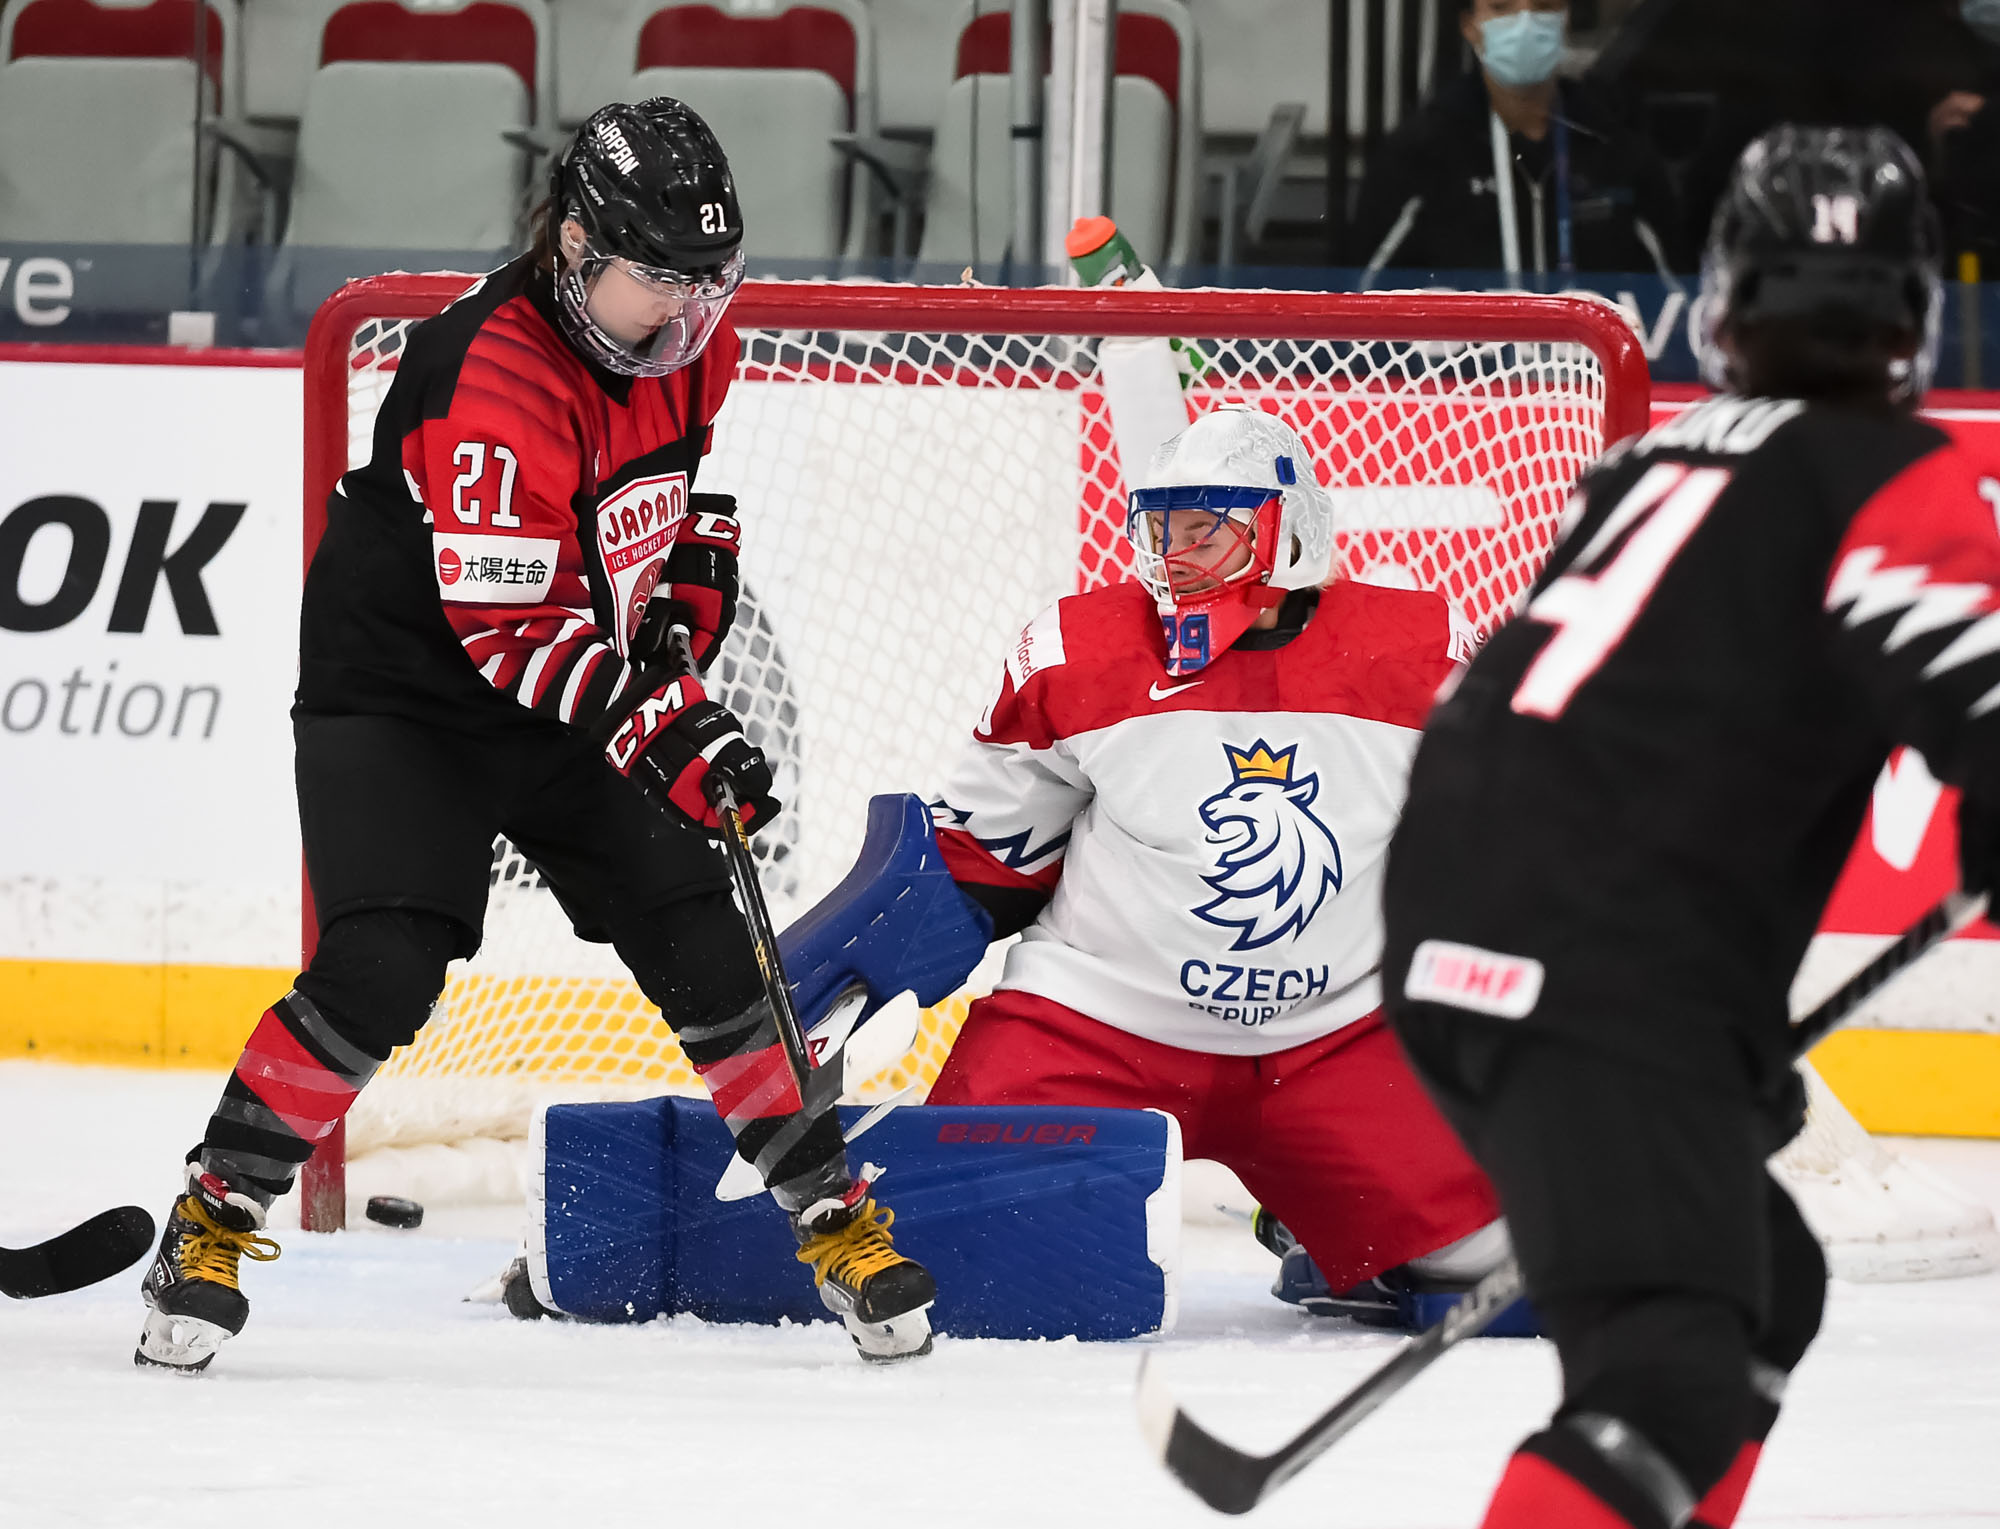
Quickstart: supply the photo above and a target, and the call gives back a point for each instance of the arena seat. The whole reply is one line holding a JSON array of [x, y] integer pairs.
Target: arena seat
[[916, 42], [1255, 52], [777, 86], [792, 194], [971, 182], [1156, 138], [514, 34], [403, 158], [108, 94], [101, 101]]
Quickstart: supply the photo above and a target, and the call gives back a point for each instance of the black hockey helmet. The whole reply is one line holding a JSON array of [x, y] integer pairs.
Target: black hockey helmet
[[651, 189], [1831, 227]]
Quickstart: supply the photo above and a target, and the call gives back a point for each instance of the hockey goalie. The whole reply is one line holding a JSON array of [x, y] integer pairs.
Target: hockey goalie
[[1180, 799]]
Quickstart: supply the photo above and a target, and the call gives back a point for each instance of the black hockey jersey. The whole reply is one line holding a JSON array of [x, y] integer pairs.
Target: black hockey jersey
[[486, 567], [1626, 819]]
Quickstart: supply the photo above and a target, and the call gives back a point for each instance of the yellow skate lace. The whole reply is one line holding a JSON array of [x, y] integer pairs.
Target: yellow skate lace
[[854, 1252], [212, 1252]]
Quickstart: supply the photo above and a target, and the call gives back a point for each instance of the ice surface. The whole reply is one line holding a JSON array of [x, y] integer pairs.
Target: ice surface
[[366, 1393]]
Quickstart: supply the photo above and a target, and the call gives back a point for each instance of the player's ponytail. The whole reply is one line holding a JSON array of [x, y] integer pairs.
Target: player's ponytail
[[543, 223]]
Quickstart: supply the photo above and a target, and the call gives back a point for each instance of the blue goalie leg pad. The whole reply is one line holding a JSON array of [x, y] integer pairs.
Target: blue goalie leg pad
[[1036, 1223], [897, 920]]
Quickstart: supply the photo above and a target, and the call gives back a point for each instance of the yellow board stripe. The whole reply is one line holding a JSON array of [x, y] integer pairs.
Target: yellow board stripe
[[1916, 1082], [133, 1014], [1902, 1082]]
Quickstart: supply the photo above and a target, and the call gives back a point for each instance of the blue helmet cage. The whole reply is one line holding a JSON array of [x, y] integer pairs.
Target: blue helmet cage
[[1213, 501]]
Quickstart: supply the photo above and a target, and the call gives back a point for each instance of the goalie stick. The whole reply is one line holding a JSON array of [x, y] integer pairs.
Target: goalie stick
[[1231, 1480], [83, 1255]]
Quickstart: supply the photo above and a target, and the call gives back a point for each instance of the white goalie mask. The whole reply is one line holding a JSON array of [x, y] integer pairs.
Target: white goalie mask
[[1236, 477]]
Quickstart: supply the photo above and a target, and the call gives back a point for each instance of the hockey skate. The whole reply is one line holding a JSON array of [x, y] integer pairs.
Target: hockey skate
[[191, 1287], [880, 1295]]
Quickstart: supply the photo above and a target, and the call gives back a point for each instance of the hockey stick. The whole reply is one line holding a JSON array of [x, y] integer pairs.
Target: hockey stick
[[1231, 1480], [756, 912], [83, 1255]]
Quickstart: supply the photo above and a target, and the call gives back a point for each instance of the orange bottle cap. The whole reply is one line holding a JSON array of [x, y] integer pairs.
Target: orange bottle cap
[[1089, 234]]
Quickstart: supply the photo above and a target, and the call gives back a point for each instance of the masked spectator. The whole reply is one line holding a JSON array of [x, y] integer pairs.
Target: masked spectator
[[1511, 168]]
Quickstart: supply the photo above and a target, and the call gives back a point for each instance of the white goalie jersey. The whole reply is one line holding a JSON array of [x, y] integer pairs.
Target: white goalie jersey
[[1211, 847]]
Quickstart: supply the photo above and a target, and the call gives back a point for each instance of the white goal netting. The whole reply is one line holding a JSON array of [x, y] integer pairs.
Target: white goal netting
[[910, 497]]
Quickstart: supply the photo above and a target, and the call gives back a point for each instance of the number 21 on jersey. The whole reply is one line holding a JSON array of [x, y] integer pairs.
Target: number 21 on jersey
[[471, 459], [1595, 602]]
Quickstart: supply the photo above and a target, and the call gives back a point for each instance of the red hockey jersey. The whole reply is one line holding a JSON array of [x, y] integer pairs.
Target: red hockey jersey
[[490, 559]]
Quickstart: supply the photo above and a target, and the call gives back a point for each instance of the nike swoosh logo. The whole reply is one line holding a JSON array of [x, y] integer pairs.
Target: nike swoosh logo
[[1158, 694]]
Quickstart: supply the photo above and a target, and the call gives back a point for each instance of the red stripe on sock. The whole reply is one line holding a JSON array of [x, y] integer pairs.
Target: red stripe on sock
[[295, 1085], [1724, 1501], [1535, 1494], [753, 1086]]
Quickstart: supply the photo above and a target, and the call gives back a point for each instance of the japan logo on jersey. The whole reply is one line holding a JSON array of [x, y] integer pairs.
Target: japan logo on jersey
[[1274, 861]]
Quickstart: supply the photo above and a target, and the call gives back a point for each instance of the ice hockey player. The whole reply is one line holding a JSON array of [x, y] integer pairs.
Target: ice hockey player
[[480, 654], [1625, 820], [1180, 797]]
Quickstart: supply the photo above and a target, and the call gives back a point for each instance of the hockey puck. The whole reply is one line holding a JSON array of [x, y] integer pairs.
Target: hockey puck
[[391, 1211]]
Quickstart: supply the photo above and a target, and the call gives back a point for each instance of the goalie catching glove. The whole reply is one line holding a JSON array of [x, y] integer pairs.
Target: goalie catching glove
[[678, 745], [700, 584]]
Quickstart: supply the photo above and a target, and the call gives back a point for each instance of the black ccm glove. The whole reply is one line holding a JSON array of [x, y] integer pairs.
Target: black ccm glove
[[700, 583], [677, 744]]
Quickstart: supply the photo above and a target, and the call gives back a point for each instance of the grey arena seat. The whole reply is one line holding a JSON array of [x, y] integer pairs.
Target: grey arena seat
[[1157, 143], [115, 159], [1156, 127], [777, 127], [403, 160], [778, 81], [101, 101], [971, 170], [107, 96], [915, 44]]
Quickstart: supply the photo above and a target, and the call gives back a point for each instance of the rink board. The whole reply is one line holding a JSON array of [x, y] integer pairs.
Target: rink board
[[1036, 1223]]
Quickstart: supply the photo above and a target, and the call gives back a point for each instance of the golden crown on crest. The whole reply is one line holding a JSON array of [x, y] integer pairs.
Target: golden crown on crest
[[1260, 763]]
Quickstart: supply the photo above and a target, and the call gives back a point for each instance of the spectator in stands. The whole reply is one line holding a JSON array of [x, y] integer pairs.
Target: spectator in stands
[[1702, 78], [1965, 147], [1511, 168]]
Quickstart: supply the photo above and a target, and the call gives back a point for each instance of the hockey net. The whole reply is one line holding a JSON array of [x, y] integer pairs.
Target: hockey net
[[920, 471]]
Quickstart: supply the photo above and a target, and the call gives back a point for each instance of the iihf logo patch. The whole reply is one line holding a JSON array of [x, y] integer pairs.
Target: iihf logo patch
[[1275, 862]]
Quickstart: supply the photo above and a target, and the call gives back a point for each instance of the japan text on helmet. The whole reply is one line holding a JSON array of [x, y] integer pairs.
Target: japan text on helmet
[[1830, 225], [651, 189], [1243, 476]]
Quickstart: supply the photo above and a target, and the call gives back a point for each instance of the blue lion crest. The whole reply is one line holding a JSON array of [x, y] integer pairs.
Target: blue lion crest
[[1274, 861]]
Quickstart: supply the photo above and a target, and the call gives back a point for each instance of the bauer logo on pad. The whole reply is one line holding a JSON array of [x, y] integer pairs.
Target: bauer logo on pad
[[1466, 977]]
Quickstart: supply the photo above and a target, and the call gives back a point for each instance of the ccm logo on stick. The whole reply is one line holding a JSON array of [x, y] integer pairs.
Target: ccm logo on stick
[[1466, 977], [1049, 1133]]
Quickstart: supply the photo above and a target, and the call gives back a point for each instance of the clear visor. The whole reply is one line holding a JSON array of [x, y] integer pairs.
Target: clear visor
[[642, 320], [665, 282]]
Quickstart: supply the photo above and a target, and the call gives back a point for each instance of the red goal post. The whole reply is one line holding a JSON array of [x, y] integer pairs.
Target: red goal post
[[920, 469]]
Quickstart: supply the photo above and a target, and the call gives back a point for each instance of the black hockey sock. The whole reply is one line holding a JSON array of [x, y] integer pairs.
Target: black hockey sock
[[743, 1063], [369, 989], [292, 1085]]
